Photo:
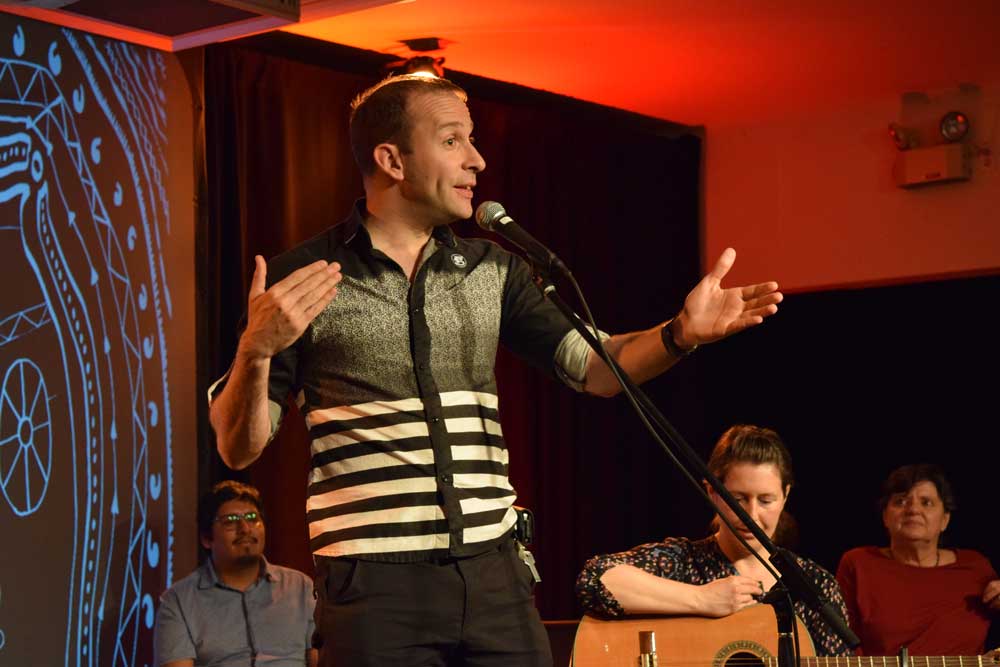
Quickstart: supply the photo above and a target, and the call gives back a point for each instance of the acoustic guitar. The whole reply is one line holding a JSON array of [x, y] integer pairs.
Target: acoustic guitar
[[748, 638]]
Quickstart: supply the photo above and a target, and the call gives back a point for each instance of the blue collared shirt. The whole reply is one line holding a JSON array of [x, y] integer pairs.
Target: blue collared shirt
[[270, 623]]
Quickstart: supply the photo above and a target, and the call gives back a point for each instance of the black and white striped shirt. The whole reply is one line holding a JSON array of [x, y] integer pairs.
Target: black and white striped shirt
[[397, 387]]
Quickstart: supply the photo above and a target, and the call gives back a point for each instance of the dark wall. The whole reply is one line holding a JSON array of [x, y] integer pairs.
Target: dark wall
[[857, 382], [862, 381]]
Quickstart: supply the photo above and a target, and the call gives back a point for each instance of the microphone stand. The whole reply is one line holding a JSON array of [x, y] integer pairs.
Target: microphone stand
[[793, 581]]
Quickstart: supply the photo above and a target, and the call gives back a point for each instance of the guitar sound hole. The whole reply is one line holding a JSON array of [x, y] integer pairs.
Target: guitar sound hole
[[743, 659]]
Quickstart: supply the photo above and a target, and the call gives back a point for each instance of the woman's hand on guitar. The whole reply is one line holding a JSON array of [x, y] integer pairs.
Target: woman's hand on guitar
[[726, 596]]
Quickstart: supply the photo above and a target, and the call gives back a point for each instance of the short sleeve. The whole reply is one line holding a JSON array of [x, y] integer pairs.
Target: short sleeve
[[981, 565], [275, 409], [572, 357], [171, 637], [530, 326]]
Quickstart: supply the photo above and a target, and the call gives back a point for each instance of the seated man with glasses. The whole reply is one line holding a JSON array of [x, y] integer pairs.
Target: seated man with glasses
[[236, 609]]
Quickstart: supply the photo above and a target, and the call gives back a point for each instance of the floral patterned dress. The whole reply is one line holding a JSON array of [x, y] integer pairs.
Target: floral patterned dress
[[700, 562]]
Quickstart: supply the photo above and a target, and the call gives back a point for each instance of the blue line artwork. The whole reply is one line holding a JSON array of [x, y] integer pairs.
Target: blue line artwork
[[85, 417], [26, 430]]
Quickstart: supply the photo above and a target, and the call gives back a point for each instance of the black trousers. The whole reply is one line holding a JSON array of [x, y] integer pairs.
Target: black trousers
[[476, 612]]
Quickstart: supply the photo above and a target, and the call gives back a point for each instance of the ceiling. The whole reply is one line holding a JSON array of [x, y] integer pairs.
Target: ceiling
[[699, 62]]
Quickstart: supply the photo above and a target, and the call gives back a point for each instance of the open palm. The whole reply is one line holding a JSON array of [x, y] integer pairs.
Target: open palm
[[711, 312]]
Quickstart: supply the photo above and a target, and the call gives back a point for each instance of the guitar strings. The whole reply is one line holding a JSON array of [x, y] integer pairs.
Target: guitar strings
[[862, 661]]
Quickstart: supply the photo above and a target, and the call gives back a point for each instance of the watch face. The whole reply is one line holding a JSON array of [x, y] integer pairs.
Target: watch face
[[954, 126]]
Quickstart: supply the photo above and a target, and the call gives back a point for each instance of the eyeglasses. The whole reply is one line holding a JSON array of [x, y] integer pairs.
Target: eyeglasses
[[230, 521]]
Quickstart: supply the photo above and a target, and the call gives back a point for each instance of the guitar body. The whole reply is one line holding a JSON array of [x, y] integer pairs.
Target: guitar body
[[745, 639]]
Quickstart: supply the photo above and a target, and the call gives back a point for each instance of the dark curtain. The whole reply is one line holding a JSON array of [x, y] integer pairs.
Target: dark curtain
[[279, 171], [616, 195]]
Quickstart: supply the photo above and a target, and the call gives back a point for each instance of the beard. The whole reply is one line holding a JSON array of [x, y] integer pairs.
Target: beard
[[249, 551], [246, 560]]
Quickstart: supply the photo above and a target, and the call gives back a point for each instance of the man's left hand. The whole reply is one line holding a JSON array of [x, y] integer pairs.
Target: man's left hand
[[711, 312]]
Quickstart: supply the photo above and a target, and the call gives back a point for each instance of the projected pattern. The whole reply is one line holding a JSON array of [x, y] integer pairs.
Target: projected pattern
[[25, 427], [84, 403]]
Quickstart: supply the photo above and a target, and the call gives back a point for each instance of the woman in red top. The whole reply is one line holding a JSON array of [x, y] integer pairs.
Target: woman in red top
[[914, 593]]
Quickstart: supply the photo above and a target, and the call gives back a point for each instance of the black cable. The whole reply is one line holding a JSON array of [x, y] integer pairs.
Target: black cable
[[645, 410], [634, 400]]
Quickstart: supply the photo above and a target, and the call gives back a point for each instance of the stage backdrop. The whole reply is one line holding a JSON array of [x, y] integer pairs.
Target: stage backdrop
[[96, 343]]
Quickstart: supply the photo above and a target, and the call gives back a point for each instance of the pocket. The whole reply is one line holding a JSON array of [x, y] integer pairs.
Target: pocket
[[337, 581]]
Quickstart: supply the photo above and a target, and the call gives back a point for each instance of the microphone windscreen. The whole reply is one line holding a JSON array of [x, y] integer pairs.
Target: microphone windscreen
[[488, 213]]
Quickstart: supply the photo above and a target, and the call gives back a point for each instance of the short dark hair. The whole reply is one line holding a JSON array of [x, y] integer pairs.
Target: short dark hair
[[904, 478], [221, 494], [746, 443], [379, 114]]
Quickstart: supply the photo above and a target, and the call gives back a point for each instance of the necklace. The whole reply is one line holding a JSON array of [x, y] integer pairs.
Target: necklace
[[937, 558]]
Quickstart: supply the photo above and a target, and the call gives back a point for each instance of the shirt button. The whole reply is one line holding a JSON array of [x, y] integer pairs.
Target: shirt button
[[422, 367], [446, 478], [416, 310], [435, 420]]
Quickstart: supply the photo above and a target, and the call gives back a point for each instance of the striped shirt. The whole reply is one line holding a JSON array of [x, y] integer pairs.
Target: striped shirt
[[396, 383]]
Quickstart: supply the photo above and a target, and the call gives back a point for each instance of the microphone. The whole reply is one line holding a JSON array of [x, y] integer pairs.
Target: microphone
[[491, 216]]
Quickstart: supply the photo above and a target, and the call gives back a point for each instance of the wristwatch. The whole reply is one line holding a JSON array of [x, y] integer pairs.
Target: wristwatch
[[667, 335]]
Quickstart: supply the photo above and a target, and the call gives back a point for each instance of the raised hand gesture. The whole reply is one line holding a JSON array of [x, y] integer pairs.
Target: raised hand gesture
[[712, 312], [276, 317]]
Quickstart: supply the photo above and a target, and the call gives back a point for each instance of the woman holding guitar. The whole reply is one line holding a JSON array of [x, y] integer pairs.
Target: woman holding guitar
[[715, 576], [913, 592]]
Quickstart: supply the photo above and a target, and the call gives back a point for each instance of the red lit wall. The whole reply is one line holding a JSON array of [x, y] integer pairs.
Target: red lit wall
[[810, 200]]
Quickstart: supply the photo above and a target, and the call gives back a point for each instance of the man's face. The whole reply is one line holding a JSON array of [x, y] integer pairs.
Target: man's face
[[439, 171], [236, 540]]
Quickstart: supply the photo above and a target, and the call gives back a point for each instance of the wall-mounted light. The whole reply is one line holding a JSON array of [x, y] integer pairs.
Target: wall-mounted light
[[954, 126], [932, 138], [903, 137]]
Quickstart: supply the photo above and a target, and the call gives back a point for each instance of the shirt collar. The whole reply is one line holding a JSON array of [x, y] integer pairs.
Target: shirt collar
[[355, 232], [445, 235], [208, 577], [352, 225]]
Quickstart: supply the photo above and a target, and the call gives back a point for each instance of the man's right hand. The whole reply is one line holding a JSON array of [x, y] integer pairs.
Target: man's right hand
[[727, 596], [276, 317]]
